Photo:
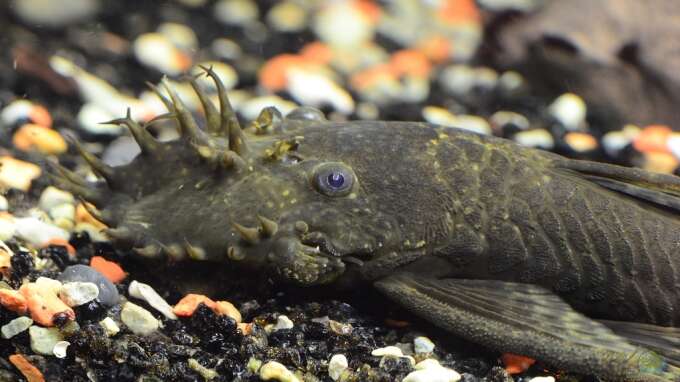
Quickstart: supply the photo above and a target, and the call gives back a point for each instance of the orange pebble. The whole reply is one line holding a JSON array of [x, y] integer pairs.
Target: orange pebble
[[40, 116], [459, 11], [317, 52], [660, 162], [515, 364], [410, 62], [13, 300], [183, 60], [84, 216], [26, 368], [581, 142], [44, 304], [188, 304], [371, 76], [272, 75], [15, 173], [245, 327], [653, 138], [109, 269], [226, 308], [369, 9], [437, 48], [5, 262], [36, 137], [63, 243]]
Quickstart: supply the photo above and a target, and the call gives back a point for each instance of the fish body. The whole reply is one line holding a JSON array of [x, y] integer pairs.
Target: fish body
[[571, 262]]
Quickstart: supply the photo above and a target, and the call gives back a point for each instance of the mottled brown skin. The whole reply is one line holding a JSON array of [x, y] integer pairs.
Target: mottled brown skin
[[506, 246]]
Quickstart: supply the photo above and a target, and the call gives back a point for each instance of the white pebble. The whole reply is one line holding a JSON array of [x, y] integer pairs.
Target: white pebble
[[7, 228], [147, 293], [225, 72], [570, 110], [414, 89], [4, 204], [458, 79], [78, 293], [96, 233], [37, 232], [276, 371], [472, 123], [52, 197], [54, 13], [251, 108], [110, 326], [59, 349], [226, 48], [15, 327], [90, 118], [342, 24], [503, 118], [543, 379], [485, 78], [283, 322], [206, 373], [121, 151], [138, 319], [387, 350], [536, 138], [429, 370], [95, 90], [315, 89], [510, 81], [236, 12], [44, 339], [673, 144], [180, 35], [615, 141], [423, 345], [46, 283], [63, 211], [16, 110], [441, 116], [157, 51], [337, 365], [287, 16]]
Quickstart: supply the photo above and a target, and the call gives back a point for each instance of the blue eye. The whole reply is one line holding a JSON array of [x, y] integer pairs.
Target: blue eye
[[336, 179], [333, 179]]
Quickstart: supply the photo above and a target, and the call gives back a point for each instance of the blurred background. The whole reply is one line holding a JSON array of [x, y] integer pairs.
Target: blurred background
[[594, 79]]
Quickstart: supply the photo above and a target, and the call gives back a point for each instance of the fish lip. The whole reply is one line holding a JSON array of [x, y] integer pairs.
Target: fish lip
[[319, 241]]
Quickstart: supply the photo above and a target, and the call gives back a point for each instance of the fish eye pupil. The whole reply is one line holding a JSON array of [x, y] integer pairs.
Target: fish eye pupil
[[335, 179]]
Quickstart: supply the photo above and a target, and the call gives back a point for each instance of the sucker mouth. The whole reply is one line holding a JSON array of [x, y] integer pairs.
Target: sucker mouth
[[323, 246]]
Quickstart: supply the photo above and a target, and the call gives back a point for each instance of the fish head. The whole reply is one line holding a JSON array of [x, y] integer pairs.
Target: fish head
[[344, 193]]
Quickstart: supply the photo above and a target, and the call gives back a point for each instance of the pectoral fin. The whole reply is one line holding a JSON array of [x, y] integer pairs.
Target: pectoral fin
[[661, 339], [528, 320], [660, 189]]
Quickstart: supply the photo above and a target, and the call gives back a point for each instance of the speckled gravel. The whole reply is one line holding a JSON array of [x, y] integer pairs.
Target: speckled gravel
[[127, 331]]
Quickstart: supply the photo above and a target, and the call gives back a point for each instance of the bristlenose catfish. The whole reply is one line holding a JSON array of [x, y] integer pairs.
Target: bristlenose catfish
[[574, 263]]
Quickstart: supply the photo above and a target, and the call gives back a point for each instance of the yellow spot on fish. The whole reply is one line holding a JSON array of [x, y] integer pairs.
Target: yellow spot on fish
[[443, 136], [293, 201], [285, 192], [434, 142], [353, 195], [420, 244]]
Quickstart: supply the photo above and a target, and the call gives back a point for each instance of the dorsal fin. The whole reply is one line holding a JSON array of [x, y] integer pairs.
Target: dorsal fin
[[662, 190]]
